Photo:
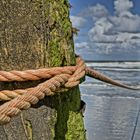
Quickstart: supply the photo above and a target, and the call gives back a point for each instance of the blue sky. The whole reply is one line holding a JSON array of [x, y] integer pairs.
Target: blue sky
[[109, 29]]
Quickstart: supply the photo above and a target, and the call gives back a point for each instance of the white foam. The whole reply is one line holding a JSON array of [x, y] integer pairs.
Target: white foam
[[93, 85], [133, 65], [118, 69]]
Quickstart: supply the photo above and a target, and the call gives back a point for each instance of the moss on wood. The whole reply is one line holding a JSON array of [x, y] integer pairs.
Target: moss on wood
[[36, 34]]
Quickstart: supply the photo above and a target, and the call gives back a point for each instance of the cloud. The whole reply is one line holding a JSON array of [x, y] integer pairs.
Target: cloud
[[118, 32], [99, 33], [126, 22], [122, 6], [82, 45], [77, 21], [97, 11], [121, 31]]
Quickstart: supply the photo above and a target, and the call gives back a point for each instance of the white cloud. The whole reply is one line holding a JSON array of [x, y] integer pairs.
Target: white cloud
[[126, 22], [97, 11], [122, 6], [119, 32], [99, 31], [122, 29], [82, 45], [104, 48], [77, 21]]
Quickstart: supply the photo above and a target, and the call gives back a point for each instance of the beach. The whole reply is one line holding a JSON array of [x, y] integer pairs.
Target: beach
[[112, 113]]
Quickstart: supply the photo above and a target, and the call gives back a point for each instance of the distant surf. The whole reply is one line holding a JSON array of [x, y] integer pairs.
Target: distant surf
[[126, 72], [122, 65]]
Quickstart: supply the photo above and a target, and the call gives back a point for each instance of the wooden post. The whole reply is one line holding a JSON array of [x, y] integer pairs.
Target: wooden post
[[37, 34]]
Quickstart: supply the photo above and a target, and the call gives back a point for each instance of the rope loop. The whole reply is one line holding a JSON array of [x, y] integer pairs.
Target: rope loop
[[60, 79], [67, 77]]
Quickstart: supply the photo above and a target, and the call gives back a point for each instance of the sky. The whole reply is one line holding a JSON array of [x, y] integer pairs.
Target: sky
[[109, 29]]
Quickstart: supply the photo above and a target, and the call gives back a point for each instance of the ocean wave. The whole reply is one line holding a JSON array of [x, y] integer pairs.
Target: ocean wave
[[118, 69], [127, 65], [121, 95], [137, 86], [93, 85]]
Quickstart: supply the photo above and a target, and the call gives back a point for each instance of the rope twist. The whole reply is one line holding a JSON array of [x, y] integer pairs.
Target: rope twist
[[68, 76], [59, 79]]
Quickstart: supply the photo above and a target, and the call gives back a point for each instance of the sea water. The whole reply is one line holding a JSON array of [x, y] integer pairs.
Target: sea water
[[111, 112]]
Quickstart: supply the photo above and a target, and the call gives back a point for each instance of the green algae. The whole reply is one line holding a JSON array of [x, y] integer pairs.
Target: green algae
[[58, 40], [69, 125]]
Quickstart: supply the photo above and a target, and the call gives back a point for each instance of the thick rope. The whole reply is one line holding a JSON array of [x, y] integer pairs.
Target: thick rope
[[69, 79], [66, 77]]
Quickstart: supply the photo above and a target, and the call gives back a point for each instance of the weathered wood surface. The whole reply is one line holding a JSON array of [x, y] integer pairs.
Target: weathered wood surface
[[36, 34]]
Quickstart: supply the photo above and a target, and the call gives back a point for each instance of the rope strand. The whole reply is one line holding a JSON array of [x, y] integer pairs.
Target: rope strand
[[68, 77]]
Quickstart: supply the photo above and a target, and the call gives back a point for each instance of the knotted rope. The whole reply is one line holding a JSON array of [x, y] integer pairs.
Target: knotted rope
[[68, 77], [59, 77]]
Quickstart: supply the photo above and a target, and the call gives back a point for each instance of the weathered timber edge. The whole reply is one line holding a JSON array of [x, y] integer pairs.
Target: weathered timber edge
[[36, 34]]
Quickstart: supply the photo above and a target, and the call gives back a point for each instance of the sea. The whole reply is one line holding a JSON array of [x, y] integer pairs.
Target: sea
[[112, 113]]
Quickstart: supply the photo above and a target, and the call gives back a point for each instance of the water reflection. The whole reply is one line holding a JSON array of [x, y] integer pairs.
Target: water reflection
[[110, 118], [111, 112]]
